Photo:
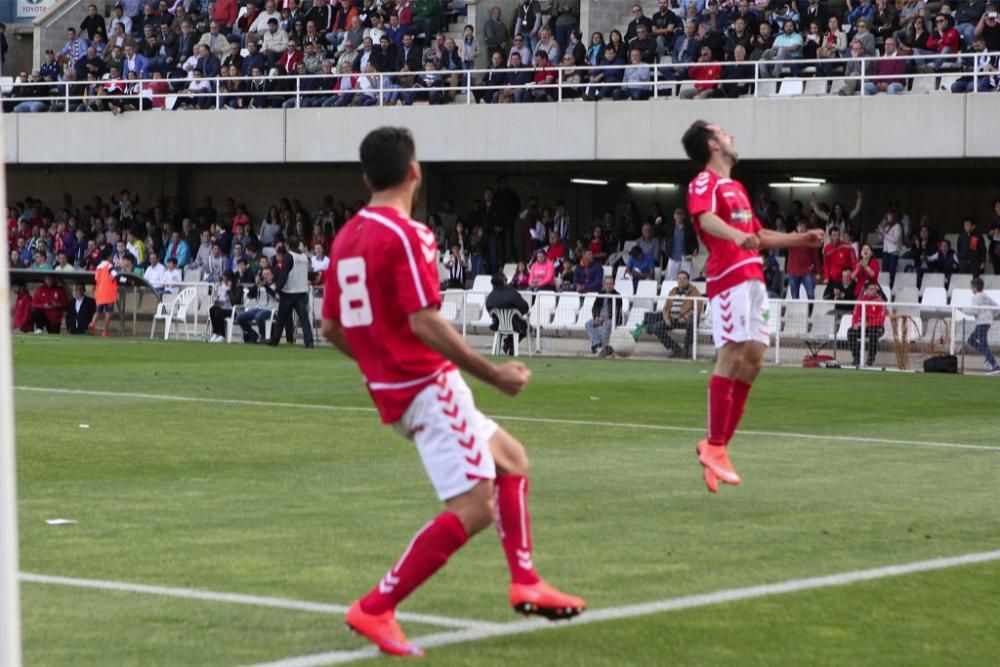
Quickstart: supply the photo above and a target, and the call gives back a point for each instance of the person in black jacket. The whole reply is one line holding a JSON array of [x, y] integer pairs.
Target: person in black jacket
[[600, 326], [680, 245], [80, 312], [506, 297]]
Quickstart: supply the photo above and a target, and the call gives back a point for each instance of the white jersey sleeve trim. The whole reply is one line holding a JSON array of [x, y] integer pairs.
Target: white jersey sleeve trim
[[385, 222]]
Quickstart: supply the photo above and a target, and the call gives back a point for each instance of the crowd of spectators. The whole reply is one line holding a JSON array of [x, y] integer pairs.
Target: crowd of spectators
[[210, 55]]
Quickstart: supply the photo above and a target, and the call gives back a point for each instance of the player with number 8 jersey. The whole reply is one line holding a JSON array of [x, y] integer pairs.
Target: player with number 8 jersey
[[380, 306]]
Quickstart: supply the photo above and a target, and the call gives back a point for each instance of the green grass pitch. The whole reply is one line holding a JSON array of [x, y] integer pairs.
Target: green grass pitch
[[315, 504]]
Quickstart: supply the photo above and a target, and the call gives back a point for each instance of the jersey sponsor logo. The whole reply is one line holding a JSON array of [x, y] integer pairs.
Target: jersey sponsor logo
[[742, 215]]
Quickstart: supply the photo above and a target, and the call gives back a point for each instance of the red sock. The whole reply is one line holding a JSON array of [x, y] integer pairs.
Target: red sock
[[720, 401], [741, 390], [514, 526], [429, 549]]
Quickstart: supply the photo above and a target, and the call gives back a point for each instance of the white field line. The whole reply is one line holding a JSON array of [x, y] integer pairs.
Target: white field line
[[239, 598], [644, 609], [539, 420]]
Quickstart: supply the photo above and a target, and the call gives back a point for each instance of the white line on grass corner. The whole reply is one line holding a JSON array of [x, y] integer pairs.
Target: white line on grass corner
[[238, 598], [656, 607], [851, 439]]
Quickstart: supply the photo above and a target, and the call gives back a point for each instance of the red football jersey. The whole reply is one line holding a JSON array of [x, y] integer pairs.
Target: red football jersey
[[383, 268], [728, 264]]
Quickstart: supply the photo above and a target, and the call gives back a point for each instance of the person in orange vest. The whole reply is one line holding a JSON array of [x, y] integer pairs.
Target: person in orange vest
[[105, 292]]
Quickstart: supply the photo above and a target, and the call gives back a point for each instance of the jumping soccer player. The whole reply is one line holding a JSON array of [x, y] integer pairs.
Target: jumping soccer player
[[381, 308], [726, 225]]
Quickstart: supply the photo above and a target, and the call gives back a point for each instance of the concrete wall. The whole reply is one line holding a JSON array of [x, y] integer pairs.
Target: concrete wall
[[929, 126]]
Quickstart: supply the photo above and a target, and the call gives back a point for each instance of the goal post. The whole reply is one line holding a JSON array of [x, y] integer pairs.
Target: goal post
[[10, 606]]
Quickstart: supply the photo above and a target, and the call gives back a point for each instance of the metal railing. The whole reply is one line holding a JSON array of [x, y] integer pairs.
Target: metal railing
[[385, 88]]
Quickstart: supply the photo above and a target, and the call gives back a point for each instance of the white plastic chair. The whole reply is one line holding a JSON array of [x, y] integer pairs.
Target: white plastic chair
[[505, 327], [175, 311]]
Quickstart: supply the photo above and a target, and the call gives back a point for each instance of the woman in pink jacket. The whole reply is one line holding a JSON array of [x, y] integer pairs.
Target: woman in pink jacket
[[542, 273]]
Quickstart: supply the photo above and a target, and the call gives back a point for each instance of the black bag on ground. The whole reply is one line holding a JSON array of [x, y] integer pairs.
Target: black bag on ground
[[945, 363]]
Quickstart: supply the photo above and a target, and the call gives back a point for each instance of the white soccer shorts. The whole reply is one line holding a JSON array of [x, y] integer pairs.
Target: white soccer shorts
[[740, 314], [451, 435]]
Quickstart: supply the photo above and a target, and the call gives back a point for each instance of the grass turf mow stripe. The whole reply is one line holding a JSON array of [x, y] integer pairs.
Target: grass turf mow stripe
[[540, 420], [646, 608]]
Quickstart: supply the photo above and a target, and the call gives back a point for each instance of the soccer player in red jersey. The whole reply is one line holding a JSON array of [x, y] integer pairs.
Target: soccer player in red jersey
[[381, 308], [726, 225]]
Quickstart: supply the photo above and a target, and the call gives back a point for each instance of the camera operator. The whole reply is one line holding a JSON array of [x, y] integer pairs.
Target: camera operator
[[264, 301], [293, 287]]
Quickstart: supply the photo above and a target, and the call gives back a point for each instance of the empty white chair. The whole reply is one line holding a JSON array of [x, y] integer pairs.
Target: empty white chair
[[791, 88], [837, 85], [449, 311], [609, 270], [816, 86], [959, 281], [585, 313], [934, 297], [482, 284], [952, 238], [765, 88], [635, 317], [509, 269], [906, 295], [924, 84], [991, 282], [541, 311], [931, 280], [565, 314], [845, 324], [905, 280], [961, 297], [180, 310], [647, 291], [795, 321]]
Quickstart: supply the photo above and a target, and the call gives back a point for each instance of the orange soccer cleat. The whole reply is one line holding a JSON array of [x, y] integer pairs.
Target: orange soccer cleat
[[382, 630], [716, 463], [543, 600]]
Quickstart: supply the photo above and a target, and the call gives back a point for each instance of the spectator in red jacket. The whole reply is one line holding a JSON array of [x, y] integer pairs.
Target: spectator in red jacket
[[225, 14], [837, 256], [803, 264], [707, 73], [944, 38], [874, 316], [865, 271], [48, 304], [22, 309]]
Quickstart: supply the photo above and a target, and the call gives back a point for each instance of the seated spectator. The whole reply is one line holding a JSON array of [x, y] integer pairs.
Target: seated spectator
[[762, 41], [889, 72], [686, 50], [644, 44], [842, 289], [864, 35], [605, 314], [492, 81], [542, 275], [427, 86], [62, 262], [705, 73], [741, 74], [521, 278], [787, 46], [640, 266], [505, 297], [264, 302], [516, 80], [587, 275], [244, 274], [543, 76], [23, 320], [678, 313], [173, 278], [967, 16], [48, 304], [230, 294], [874, 317], [864, 10], [596, 243], [197, 95], [155, 273], [215, 265], [865, 271], [944, 39], [604, 78], [80, 311], [988, 78], [636, 79]]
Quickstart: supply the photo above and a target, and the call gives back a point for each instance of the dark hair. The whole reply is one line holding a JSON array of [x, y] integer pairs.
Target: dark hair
[[636, 252], [386, 154], [978, 284], [695, 142], [685, 273], [498, 280]]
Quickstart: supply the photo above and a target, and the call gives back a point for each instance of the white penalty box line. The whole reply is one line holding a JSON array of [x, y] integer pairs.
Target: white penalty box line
[[239, 598], [647, 608], [848, 439]]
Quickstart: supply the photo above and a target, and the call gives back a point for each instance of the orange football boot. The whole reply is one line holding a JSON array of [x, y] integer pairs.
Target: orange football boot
[[715, 460], [543, 600], [382, 630]]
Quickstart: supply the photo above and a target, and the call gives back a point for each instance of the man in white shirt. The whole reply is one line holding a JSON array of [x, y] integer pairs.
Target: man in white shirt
[[155, 273], [172, 278], [259, 26]]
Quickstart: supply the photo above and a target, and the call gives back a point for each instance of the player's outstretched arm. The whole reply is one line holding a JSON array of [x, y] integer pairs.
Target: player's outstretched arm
[[430, 327], [771, 240], [332, 331], [716, 226]]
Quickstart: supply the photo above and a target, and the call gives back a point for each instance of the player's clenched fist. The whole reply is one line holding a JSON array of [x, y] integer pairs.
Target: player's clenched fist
[[512, 377], [814, 238], [749, 242]]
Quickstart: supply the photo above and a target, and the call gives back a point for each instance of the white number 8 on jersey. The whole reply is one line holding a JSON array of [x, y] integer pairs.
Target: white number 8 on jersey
[[355, 306]]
